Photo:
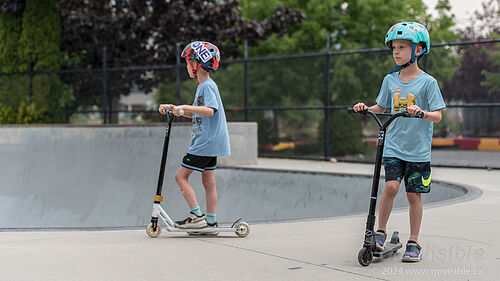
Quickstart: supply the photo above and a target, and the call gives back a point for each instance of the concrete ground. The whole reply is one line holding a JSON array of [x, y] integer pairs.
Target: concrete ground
[[458, 240], [466, 158]]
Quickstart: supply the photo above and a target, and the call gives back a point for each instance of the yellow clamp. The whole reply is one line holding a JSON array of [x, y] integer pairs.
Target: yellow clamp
[[158, 198]]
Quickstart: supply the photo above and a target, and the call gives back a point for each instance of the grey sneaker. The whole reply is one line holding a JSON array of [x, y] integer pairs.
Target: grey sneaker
[[380, 237], [413, 252], [193, 221]]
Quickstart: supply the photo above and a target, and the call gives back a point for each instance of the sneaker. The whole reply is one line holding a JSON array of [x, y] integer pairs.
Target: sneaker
[[380, 237], [211, 233], [413, 252], [193, 221]]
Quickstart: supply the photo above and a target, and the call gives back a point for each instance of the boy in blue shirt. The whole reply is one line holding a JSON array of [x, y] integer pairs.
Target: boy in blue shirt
[[407, 149], [209, 138]]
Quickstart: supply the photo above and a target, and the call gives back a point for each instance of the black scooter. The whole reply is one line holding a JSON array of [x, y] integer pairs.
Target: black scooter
[[369, 250]]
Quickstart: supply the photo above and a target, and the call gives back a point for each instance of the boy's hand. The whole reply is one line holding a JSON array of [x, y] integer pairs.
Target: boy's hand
[[360, 107], [414, 110], [162, 108], [178, 110]]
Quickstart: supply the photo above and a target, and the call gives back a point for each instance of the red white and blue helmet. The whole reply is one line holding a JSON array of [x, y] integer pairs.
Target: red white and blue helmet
[[206, 53]]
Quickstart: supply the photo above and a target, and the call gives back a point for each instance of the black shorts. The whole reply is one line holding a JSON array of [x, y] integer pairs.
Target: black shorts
[[199, 163], [417, 175]]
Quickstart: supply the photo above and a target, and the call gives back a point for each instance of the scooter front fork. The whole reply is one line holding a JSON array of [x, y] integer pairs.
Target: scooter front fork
[[155, 214], [369, 242]]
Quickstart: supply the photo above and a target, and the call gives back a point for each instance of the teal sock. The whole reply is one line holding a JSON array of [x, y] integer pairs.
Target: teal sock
[[210, 218], [195, 210]]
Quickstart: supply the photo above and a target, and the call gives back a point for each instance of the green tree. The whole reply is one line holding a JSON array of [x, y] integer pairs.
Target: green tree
[[145, 32], [10, 31], [467, 82], [492, 78], [490, 19], [351, 24], [442, 61], [40, 36], [31, 45]]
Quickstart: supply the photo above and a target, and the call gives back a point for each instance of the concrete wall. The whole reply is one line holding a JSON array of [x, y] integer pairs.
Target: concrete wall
[[242, 137], [85, 177], [66, 176], [244, 144]]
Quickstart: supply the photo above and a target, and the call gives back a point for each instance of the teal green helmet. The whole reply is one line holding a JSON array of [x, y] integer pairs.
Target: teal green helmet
[[412, 31]]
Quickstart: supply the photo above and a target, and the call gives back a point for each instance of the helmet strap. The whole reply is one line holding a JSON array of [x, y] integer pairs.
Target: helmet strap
[[195, 71], [412, 60]]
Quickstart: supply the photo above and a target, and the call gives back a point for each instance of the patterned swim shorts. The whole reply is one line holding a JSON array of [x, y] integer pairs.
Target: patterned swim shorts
[[417, 175]]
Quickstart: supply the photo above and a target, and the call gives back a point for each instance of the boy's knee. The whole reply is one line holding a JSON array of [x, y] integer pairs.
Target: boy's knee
[[392, 188], [208, 182], [413, 198], [179, 177]]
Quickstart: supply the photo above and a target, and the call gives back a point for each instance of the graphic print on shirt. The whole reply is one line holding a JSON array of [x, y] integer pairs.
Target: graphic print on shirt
[[402, 103], [197, 120]]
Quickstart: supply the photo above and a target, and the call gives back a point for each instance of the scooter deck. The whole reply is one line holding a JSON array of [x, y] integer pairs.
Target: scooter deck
[[201, 230], [389, 249]]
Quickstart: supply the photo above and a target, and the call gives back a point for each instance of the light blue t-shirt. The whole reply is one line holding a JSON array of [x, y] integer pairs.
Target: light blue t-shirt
[[209, 136], [410, 139]]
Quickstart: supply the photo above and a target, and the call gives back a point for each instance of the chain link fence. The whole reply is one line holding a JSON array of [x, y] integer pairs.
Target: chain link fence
[[299, 102]]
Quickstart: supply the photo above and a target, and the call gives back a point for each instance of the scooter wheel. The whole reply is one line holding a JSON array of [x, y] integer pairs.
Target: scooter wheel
[[244, 229], [151, 233], [365, 256]]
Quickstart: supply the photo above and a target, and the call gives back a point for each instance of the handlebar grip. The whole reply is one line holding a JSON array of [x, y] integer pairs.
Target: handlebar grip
[[418, 115], [352, 111]]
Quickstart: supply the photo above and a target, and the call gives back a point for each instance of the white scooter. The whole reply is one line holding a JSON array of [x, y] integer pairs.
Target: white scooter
[[241, 228]]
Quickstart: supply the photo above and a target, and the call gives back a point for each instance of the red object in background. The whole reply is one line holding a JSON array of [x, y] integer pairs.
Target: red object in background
[[468, 143]]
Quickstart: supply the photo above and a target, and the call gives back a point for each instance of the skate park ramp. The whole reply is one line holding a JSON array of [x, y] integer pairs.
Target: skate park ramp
[[106, 177]]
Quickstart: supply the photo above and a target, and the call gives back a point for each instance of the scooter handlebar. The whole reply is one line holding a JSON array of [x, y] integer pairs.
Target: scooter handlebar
[[351, 110], [168, 111], [404, 113], [418, 115]]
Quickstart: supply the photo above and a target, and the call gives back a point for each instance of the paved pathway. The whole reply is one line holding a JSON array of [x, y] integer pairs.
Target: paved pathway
[[459, 241], [466, 158]]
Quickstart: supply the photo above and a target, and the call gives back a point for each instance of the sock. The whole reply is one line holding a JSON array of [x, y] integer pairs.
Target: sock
[[195, 210], [210, 218]]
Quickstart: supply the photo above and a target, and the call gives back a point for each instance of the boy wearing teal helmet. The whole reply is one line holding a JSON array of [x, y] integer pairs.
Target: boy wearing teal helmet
[[407, 148]]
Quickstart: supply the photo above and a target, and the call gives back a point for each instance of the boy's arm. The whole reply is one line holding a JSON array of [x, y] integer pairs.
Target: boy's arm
[[377, 108], [361, 106], [190, 109], [433, 116]]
